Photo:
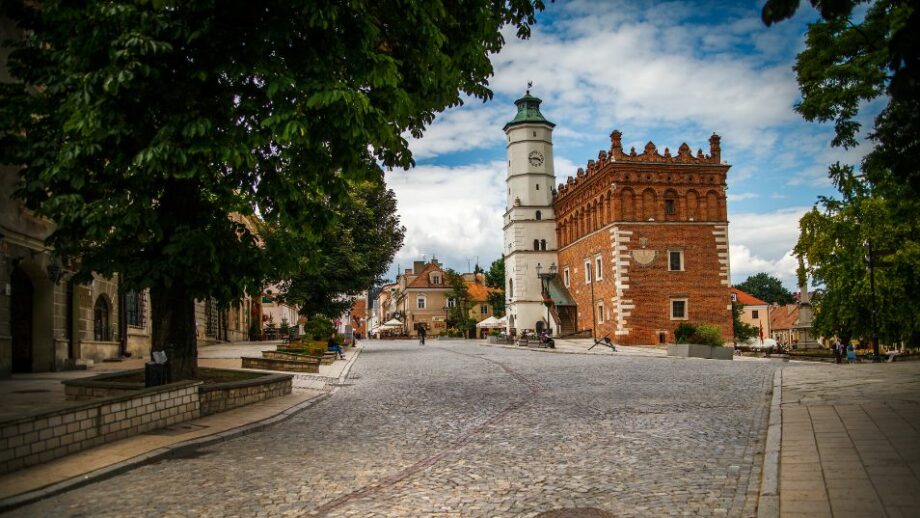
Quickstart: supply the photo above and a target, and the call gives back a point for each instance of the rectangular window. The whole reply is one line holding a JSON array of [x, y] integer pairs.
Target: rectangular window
[[678, 309], [587, 272], [134, 308], [676, 260], [600, 313], [669, 207], [598, 268], [565, 276], [754, 314], [451, 303], [421, 302], [484, 309]]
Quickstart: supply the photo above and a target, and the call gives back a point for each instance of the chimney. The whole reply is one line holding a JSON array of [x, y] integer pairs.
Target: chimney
[[418, 266]]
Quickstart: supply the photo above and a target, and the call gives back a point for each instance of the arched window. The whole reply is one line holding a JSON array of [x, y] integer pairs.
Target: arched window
[[102, 331], [542, 244], [539, 215], [536, 244], [511, 287]]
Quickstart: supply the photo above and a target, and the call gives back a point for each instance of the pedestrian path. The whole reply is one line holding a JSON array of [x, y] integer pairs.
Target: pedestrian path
[[850, 440], [112, 458]]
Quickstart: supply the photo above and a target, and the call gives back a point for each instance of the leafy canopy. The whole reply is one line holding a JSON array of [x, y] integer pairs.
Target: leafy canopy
[[766, 288], [495, 279]]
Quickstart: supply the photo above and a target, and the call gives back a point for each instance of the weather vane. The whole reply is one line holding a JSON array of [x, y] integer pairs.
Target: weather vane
[[529, 86]]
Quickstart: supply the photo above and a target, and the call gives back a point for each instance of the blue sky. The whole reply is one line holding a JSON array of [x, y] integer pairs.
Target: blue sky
[[668, 72]]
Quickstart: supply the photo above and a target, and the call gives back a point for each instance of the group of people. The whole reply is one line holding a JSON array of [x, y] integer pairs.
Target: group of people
[[840, 350]]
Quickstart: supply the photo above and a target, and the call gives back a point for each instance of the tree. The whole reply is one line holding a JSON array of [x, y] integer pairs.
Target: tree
[[742, 330], [833, 242], [495, 279], [353, 253], [767, 288], [458, 316], [848, 62], [148, 130]]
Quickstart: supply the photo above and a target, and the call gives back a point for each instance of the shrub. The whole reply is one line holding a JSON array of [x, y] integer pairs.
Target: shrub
[[318, 328], [683, 332], [707, 334]]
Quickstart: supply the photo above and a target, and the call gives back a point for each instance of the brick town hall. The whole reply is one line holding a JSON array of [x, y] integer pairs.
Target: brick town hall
[[642, 238]]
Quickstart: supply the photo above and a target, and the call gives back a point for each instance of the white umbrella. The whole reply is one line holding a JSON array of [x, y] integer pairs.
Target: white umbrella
[[503, 321], [489, 323], [390, 324]]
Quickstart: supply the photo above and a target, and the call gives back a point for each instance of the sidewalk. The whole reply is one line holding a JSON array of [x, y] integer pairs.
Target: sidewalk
[[30, 484], [850, 440]]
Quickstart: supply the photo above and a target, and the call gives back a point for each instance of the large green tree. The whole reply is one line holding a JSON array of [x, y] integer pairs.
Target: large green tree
[[458, 316], [142, 126], [352, 255], [766, 288], [495, 279]]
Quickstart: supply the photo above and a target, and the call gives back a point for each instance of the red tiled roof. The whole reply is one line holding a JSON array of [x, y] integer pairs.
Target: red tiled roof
[[784, 317], [423, 281], [746, 298], [479, 292]]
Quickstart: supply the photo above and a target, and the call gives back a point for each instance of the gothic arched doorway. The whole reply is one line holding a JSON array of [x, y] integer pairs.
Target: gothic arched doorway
[[23, 296]]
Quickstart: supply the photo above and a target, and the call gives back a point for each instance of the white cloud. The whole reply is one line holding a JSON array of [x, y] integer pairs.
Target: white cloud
[[454, 213], [763, 243], [461, 129], [742, 196]]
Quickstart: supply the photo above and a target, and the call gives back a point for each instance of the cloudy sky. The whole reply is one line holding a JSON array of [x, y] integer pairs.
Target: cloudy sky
[[668, 72]]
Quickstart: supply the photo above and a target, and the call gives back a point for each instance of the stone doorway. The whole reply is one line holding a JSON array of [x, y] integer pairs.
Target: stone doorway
[[21, 319]]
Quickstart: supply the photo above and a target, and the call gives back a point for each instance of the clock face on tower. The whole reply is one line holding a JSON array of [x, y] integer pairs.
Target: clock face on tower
[[536, 158]]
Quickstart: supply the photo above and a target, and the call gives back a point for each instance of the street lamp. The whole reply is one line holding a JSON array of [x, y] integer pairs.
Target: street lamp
[[544, 285], [870, 259]]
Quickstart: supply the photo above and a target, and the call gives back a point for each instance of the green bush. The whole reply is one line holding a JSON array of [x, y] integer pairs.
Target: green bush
[[707, 334], [318, 328], [683, 332]]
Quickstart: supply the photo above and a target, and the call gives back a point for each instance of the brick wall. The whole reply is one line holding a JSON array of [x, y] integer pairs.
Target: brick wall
[[279, 365], [635, 296], [34, 439], [220, 397]]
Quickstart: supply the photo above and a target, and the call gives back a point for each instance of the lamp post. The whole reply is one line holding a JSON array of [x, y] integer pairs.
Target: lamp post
[[873, 314], [544, 285]]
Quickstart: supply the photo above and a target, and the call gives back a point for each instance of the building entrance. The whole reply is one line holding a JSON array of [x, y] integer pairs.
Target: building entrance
[[23, 295]]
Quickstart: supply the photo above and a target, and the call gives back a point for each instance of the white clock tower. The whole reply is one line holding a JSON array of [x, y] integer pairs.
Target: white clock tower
[[530, 225]]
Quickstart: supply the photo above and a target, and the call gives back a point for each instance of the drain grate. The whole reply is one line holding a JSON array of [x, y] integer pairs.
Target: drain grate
[[178, 429]]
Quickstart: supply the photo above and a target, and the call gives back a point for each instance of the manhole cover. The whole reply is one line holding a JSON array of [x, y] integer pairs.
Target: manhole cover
[[30, 391], [576, 512]]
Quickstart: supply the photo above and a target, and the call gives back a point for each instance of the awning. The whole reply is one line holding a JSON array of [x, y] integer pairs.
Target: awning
[[489, 323]]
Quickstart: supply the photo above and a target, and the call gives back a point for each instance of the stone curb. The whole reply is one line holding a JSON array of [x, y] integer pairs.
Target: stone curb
[[768, 503], [174, 450]]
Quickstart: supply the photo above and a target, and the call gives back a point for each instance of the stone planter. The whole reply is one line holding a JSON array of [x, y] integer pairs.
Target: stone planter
[[701, 351]]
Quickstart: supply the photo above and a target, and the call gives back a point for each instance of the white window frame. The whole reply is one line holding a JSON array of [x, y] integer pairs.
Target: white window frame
[[598, 267], [565, 277], [600, 312], [686, 308], [588, 271], [681, 253], [484, 309], [451, 302], [421, 302]]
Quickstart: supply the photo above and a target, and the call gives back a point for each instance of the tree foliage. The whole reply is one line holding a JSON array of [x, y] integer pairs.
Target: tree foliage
[[352, 255], [495, 279], [742, 330], [142, 127], [850, 61], [458, 316], [833, 242], [766, 288]]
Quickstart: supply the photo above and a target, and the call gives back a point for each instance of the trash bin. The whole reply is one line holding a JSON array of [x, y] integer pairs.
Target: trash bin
[[156, 372]]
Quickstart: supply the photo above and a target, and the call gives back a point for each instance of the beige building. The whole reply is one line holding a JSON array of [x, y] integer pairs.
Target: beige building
[[421, 298], [755, 312]]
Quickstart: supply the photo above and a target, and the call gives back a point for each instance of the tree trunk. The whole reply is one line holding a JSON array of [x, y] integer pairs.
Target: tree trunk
[[173, 330]]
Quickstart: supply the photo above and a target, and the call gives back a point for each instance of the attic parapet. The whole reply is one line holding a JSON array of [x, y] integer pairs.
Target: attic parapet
[[651, 154]]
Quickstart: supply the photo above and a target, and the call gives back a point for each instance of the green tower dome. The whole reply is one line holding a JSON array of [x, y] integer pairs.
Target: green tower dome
[[528, 112]]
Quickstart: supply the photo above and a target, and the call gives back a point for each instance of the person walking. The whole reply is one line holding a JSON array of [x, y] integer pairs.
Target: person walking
[[838, 351], [851, 354], [421, 335]]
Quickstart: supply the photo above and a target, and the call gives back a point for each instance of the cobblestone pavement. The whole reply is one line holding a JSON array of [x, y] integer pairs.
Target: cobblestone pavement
[[454, 429]]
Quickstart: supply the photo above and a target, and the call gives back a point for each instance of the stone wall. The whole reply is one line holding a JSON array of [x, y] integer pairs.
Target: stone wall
[[37, 438], [220, 397], [279, 365]]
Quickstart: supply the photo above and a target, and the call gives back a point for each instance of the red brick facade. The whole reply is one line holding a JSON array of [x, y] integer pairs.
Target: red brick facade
[[658, 223]]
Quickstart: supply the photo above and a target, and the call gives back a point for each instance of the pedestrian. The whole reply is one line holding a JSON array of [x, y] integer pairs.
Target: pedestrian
[[851, 353], [838, 351], [334, 347], [421, 335]]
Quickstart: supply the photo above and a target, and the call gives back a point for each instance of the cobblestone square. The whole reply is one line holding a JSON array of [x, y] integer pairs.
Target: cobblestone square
[[457, 429]]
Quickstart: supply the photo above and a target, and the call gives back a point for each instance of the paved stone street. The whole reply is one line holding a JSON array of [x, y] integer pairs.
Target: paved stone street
[[458, 429]]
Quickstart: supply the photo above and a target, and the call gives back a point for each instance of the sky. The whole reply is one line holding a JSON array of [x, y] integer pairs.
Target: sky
[[668, 72]]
